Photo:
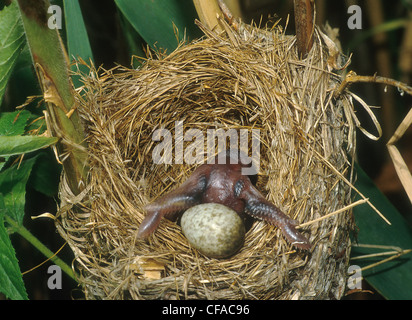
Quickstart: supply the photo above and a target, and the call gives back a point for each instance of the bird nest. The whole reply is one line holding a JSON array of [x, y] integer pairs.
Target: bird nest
[[247, 79]]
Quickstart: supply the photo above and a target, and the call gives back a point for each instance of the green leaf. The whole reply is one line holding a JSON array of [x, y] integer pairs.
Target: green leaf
[[78, 44], [45, 175], [393, 279], [11, 280], [13, 182], [15, 145], [135, 43], [154, 20], [13, 123], [12, 42]]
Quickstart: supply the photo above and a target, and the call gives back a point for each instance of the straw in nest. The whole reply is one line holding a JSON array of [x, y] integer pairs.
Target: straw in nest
[[248, 79]]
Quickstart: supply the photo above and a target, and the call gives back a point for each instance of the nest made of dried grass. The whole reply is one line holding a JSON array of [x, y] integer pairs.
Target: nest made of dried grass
[[236, 79]]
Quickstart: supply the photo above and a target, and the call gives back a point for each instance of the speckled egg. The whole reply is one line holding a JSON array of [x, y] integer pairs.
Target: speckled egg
[[214, 229]]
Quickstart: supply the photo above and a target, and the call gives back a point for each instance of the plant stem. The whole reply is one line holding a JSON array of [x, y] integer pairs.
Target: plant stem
[[26, 234], [352, 77], [51, 65], [304, 21], [207, 11]]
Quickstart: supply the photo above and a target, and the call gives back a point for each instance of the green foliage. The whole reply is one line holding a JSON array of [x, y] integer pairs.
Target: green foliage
[[11, 43], [37, 168], [15, 145], [13, 182], [13, 123], [158, 22], [78, 44], [11, 281], [392, 279]]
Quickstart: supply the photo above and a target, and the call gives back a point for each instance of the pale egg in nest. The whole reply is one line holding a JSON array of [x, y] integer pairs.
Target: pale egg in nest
[[214, 229]]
